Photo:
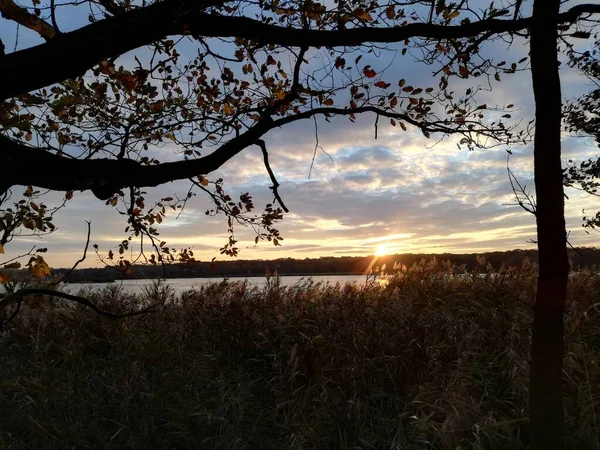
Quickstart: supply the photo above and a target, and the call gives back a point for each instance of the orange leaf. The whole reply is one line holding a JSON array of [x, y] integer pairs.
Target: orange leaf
[[390, 12], [369, 73]]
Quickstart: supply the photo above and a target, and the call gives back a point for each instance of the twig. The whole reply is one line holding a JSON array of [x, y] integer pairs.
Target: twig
[[20, 295], [317, 147], [87, 243], [53, 16], [263, 147], [513, 180]]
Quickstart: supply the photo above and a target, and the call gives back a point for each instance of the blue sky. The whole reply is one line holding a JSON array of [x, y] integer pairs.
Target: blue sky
[[400, 190]]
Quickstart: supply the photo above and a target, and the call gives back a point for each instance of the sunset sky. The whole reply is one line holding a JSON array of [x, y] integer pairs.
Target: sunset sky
[[401, 190]]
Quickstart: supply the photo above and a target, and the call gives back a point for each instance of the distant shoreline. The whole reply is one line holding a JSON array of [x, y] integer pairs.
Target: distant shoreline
[[219, 277]]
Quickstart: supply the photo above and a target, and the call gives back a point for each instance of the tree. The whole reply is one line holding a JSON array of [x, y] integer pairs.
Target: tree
[[94, 121]]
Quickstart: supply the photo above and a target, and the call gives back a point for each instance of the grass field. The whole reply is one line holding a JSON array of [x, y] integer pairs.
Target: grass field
[[434, 359]]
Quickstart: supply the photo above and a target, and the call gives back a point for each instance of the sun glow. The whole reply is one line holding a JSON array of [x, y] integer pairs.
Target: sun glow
[[382, 250]]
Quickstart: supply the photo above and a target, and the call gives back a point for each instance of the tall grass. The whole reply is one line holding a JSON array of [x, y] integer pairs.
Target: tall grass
[[435, 358]]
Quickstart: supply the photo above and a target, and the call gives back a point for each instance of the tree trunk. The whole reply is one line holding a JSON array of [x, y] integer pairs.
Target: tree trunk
[[545, 397]]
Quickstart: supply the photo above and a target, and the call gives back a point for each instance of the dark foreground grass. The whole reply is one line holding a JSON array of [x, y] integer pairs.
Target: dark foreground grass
[[433, 360]]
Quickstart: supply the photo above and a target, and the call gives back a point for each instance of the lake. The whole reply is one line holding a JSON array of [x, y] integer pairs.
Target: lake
[[185, 284]]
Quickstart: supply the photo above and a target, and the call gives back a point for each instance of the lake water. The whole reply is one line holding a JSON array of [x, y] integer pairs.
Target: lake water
[[185, 284]]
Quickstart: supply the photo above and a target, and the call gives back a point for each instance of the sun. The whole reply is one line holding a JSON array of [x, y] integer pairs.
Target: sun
[[382, 250]]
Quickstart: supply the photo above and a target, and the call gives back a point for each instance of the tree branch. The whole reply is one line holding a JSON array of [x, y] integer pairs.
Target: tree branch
[[79, 261], [263, 147], [11, 11], [37, 67], [23, 165], [20, 296]]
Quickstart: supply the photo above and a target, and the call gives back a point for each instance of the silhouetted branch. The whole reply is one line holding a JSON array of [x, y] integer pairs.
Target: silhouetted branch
[[21, 295], [10, 10], [36, 67], [263, 147], [87, 243], [520, 194]]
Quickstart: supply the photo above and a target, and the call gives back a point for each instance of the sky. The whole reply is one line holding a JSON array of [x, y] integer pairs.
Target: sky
[[401, 190]]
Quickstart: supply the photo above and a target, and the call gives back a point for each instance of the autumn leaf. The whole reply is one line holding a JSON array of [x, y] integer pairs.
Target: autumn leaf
[[390, 12], [382, 84], [4, 277], [280, 94], [1, 248], [328, 102], [227, 109], [362, 14], [369, 73]]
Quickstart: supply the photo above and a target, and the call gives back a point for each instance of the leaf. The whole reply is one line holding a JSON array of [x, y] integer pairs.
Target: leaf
[[1, 248], [4, 277], [227, 109], [581, 34], [362, 14], [369, 73], [390, 12], [382, 84], [328, 102]]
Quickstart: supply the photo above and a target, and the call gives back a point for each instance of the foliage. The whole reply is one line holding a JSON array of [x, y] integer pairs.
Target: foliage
[[582, 118], [437, 358]]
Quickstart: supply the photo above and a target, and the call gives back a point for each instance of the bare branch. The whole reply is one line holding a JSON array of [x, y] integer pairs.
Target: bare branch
[[263, 147], [22, 294], [87, 243]]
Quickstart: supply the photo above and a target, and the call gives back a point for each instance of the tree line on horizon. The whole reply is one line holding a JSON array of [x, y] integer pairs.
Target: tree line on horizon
[[580, 257]]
